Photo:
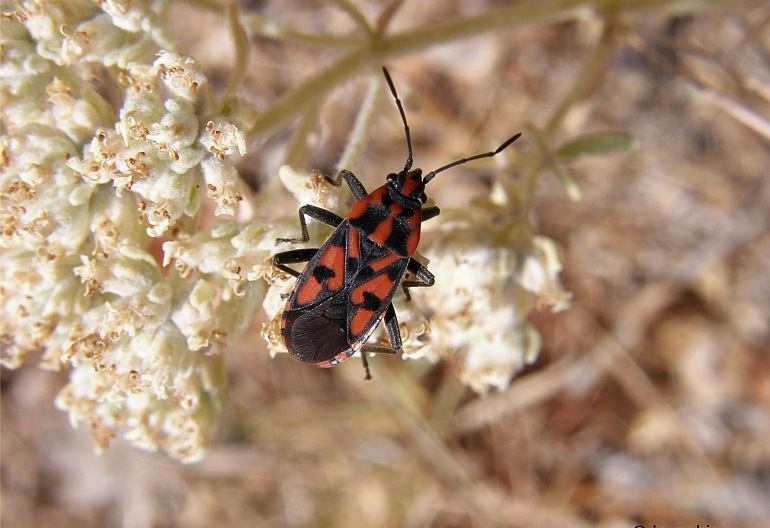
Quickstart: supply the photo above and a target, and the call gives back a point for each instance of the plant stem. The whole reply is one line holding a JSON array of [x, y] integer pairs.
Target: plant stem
[[241, 43], [361, 130], [375, 52]]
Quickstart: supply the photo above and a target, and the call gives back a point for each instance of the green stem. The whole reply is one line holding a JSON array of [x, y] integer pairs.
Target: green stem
[[308, 93], [299, 137], [377, 51], [241, 42], [266, 28], [362, 128], [356, 15], [386, 16], [587, 77], [215, 6], [591, 71]]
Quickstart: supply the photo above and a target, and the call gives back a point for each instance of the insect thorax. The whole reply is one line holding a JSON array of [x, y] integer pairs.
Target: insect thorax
[[387, 223]]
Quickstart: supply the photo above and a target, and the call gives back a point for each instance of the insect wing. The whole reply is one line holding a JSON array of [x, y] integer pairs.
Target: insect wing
[[324, 275], [371, 292], [319, 334]]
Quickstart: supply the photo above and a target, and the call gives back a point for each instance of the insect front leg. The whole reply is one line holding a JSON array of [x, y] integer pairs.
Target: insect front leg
[[394, 336], [354, 184], [430, 212], [424, 278], [322, 215], [316, 213], [280, 260]]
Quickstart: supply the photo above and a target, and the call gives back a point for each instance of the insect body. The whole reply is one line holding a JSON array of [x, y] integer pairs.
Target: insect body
[[348, 284]]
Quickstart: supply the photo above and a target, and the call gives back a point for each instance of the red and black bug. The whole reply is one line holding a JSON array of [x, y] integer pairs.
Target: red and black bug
[[348, 284]]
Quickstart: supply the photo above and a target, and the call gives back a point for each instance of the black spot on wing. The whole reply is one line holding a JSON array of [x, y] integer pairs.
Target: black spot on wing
[[395, 272], [372, 302], [322, 273], [365, 274]]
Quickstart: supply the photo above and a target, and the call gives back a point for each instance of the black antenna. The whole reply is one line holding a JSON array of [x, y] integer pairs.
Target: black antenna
[[408, 164], [428, 177]]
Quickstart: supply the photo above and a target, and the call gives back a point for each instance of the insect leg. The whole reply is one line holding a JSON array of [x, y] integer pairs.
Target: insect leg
[[365, 361], [391, 325], [430, 212], [316, 213], [424, 278], [354, 184], [280, 260], [394, 336]]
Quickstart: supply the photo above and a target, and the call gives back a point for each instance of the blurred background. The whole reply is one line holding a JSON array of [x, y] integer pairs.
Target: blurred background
[[649, 403]]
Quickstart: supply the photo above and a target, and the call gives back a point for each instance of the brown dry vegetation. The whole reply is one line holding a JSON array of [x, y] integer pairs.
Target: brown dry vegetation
[[651, 397]]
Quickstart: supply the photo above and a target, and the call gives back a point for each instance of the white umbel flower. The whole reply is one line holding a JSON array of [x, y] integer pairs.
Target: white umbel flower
[[86, 189], [487, 282]]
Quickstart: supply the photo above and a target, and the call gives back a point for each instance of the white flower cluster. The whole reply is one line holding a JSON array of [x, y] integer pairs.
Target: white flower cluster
[[488, 279], [109, 147], [491, 278], [87, 189]]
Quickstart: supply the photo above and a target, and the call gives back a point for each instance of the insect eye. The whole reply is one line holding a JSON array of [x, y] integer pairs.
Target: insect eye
[[422, 198], [392, 177]]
